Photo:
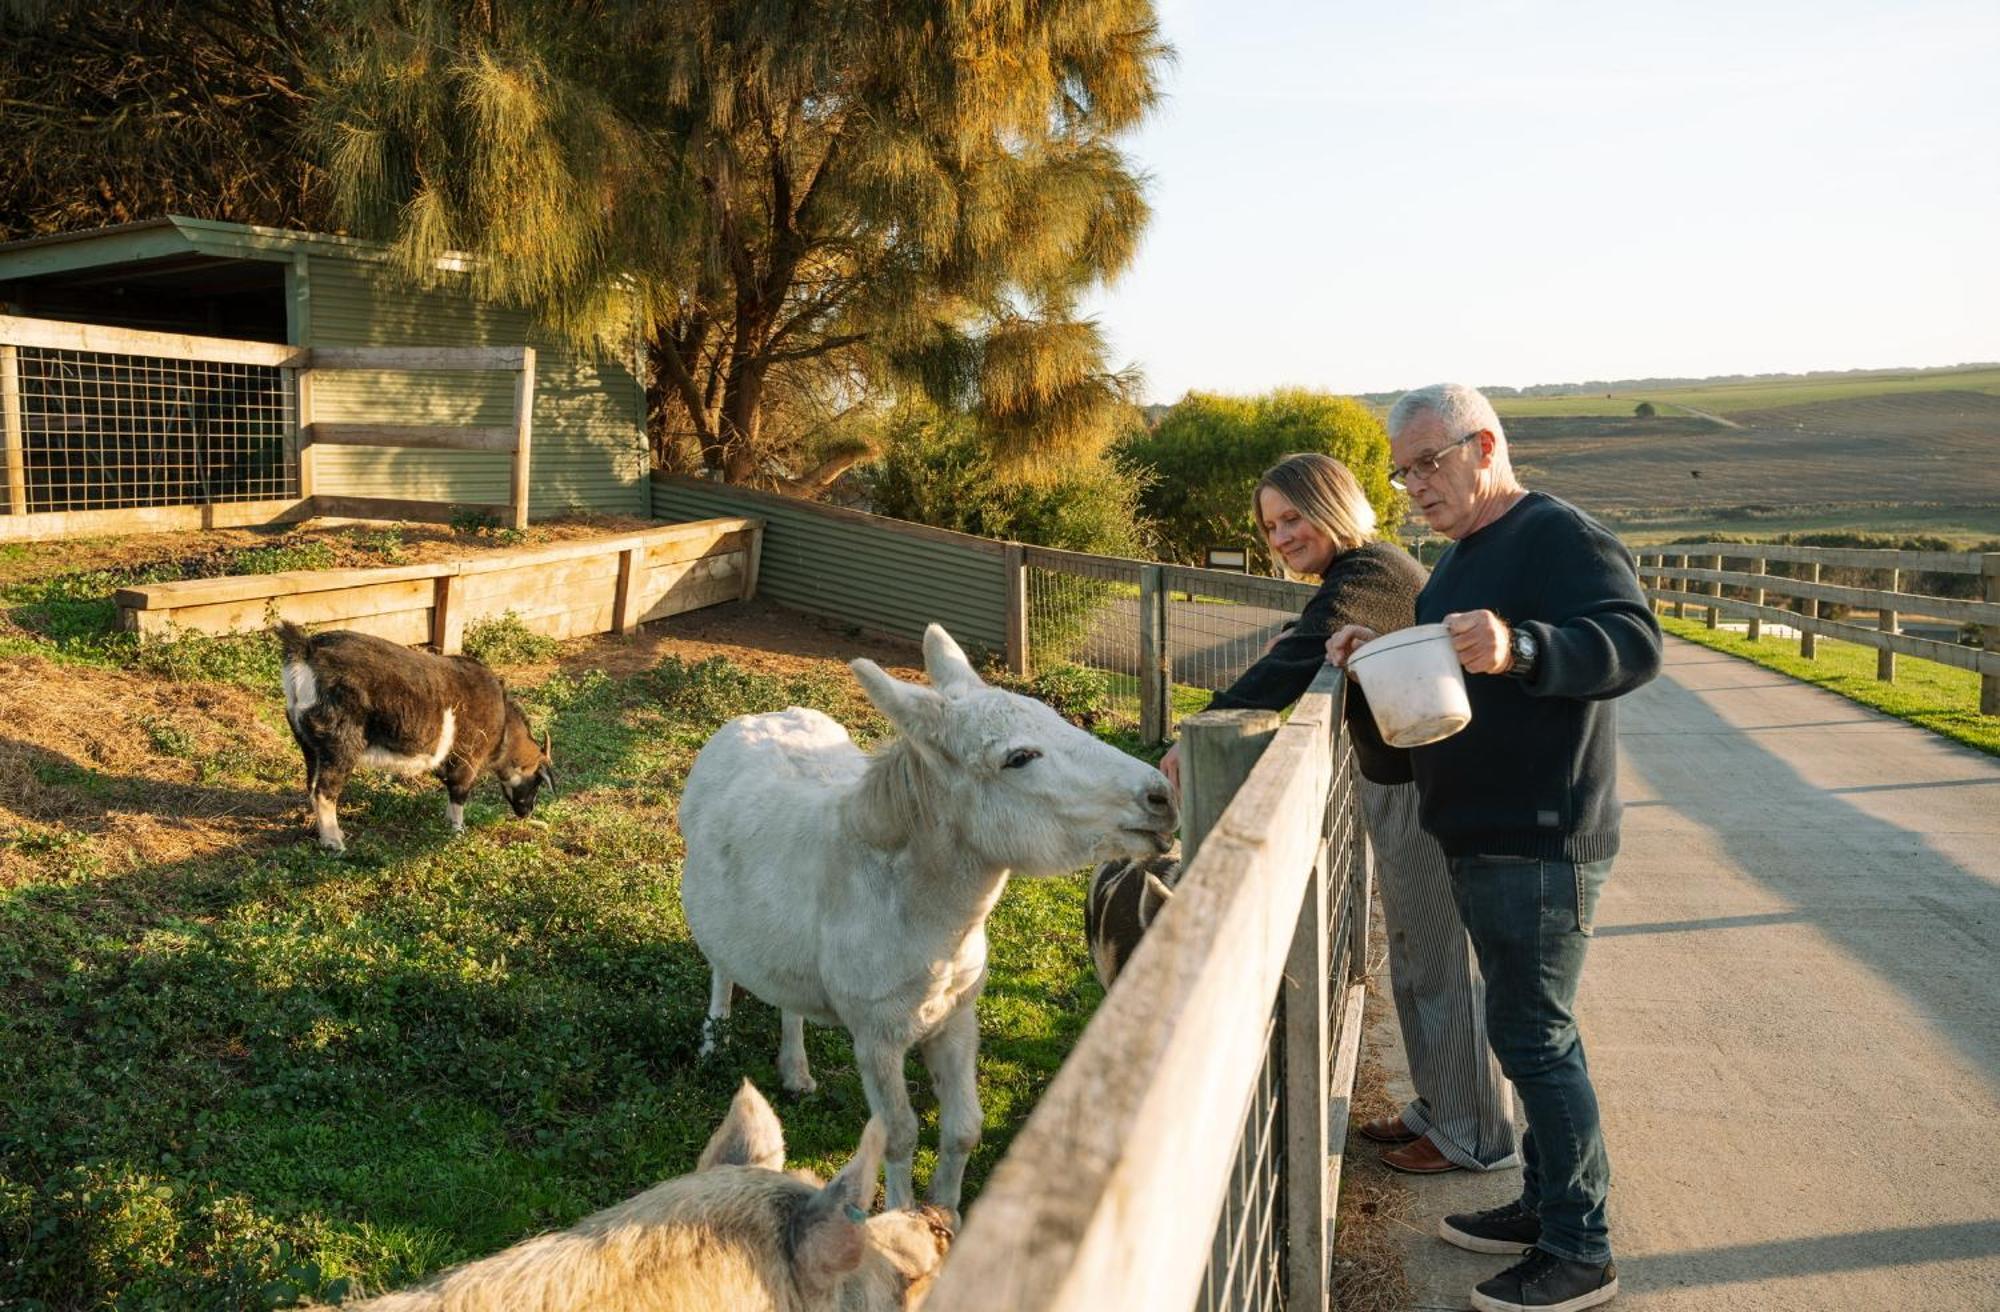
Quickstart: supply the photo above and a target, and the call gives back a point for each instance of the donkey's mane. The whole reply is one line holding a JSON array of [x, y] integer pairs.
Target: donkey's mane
[[900, 796]]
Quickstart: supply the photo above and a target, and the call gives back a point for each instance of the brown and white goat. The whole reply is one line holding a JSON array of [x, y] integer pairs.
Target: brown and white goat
[[1124, 897], [353, 699], [738, 1235]]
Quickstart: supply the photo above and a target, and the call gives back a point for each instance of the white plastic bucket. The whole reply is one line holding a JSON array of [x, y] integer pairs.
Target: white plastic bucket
[[1414, 683]]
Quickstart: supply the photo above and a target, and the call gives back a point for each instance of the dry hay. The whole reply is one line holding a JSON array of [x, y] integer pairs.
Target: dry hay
[[1375, 1204], [148, 770]]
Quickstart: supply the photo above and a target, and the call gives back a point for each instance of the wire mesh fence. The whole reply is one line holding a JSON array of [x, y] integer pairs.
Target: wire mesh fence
[[1083, 613], [1219, 624], [102, 431], [1246, 1263]]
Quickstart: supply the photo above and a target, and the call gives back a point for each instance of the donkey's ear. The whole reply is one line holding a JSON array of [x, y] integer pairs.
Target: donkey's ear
[[748, 1136], [917, 712], [830, 1235], [950, 673]]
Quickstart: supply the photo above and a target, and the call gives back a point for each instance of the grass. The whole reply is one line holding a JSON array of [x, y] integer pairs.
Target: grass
[[1937, 697], [1725, 398], [262, 1073]]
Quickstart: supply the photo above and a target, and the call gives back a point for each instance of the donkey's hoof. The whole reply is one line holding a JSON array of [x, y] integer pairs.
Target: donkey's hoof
[[799, 1086]]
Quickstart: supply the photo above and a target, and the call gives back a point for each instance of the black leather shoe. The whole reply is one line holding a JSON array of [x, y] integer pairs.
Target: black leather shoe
[[1543, 1282]]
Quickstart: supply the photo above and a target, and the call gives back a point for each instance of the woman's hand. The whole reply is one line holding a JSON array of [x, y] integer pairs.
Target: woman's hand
[[1170, 766], [1344, 640]]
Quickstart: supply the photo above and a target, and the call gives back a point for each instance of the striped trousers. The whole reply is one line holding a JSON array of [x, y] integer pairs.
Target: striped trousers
[[1464, 1105]]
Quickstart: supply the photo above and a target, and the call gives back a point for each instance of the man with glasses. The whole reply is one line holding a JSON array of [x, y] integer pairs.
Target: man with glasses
[[1544, 603]]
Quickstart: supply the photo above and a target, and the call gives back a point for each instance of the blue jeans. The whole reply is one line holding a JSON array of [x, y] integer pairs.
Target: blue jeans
[[1530, 921]]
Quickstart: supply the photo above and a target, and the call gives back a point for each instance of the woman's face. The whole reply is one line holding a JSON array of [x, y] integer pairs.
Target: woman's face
[[1294, 539]]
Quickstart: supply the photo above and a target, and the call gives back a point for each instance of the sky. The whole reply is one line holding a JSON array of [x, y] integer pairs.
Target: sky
[[1373, 196]]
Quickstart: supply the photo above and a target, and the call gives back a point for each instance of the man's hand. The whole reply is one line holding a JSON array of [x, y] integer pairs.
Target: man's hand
[[1170, 766], [1482, 641], [1344, 640]]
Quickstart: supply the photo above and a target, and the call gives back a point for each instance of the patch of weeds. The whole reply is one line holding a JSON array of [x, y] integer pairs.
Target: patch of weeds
[[505, 640], [283, 558], [67, 856], [387, 543], [706, 693], [250, 659], [166, 737], [1075, 692]]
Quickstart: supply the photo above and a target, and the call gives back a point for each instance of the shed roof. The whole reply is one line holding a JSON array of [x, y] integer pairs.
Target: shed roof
[[164, 238]]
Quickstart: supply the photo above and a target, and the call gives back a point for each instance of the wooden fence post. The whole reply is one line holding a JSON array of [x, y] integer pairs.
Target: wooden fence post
[[1218, 751], [1155, 721], [10, 421], [1308, 1112], [524, 431], [1016, 558], [1681, 586], [1756, 626], [308, 450], [1809, 608], [753, 560], [1989, 635], [1715, 590], [631, 587], [447, 619], [1885, 620]]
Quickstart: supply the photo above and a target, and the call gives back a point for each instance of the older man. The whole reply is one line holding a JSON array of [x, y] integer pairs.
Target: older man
[[1545, 611]]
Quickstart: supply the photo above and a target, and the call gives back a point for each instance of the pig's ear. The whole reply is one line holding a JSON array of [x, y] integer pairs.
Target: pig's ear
[[829, 1236], [748, 1136]]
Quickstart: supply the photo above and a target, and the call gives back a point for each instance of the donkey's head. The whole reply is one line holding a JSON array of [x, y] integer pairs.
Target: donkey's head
[[1004, 775]]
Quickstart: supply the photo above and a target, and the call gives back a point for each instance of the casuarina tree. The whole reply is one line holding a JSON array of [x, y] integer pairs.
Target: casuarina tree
[[801, 203]]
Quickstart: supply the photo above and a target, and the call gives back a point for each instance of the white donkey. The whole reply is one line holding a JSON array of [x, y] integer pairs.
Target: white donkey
[[853, 890]]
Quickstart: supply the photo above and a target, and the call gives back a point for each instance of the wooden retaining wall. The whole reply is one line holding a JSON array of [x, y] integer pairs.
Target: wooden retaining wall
[[604, 585]]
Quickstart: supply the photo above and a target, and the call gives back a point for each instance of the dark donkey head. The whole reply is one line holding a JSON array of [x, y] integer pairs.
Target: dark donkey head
[[522, 763]]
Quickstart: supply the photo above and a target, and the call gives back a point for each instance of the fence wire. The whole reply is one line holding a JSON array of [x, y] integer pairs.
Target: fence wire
[[1246, 1263], [1218, 624], [109, 432], [1083, 614]]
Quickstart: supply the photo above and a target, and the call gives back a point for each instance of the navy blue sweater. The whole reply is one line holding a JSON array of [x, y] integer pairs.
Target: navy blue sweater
[[1536, 772]]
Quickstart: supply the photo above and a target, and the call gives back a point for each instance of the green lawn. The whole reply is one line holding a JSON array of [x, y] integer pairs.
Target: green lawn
[[1935, 697], [263, 1073]]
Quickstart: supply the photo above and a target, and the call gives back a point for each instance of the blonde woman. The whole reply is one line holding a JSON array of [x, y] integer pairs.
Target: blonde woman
[[1318, 523]]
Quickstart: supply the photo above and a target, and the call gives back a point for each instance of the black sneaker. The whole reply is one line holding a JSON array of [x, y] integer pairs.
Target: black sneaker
[[1506, 1229], [1543, 1282]]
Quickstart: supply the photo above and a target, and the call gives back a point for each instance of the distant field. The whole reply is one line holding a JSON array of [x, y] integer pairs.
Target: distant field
[[1897, 461], [1731, 398]]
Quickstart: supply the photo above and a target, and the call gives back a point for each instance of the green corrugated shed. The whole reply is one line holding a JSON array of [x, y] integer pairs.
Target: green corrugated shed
[[881, 574], [309, 289]]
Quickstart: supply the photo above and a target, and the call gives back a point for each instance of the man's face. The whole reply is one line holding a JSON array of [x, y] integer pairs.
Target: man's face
[[1447, 498]]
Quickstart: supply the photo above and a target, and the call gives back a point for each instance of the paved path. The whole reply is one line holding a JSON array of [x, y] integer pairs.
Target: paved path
[[1792, 1010]]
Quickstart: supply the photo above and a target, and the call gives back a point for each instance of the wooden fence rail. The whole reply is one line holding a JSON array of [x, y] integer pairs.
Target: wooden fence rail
[[1111, 1194], [1672, 579]]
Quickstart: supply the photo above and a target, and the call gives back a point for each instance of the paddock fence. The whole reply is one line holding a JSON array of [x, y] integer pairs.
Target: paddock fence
[[1241, 1008], [1679, 575], [116, 430]]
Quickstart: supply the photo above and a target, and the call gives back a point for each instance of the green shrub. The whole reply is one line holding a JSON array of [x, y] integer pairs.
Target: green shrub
[[505, 640], [1077, 693], [1644, 410], [250, 659], [283, 558], [1206, 454]]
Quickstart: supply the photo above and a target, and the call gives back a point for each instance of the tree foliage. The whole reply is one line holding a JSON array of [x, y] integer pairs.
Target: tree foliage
[[935, 469], [1204, 457], [110, 114], [803, 202]]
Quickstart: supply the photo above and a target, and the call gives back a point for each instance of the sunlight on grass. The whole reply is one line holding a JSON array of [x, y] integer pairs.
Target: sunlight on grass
[[1937, 697]]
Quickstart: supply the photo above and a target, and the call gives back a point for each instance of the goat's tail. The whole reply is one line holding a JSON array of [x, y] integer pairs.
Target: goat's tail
[[293, 639]]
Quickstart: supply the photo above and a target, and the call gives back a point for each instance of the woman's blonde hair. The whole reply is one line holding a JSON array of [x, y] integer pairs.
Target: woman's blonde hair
[[1325, 492]]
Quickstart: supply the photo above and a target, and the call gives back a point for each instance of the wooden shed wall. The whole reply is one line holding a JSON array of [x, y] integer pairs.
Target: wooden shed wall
[[589, 422], [878, 573]]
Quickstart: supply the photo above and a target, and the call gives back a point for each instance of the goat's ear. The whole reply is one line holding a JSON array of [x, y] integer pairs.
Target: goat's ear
[[832, 1235], [748, 1136], [950, 673], [548, 745], [917, 712]]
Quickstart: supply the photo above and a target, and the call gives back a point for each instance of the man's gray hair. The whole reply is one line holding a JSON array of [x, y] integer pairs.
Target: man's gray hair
[[1460, 409]]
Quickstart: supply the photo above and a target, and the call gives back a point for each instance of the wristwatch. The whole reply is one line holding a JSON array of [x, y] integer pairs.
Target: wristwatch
[[1526, 651]]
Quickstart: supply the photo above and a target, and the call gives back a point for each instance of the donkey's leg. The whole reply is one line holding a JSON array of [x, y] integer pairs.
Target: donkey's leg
[[881, 1063], [792, 1068], [952, 1053], [721, 992]]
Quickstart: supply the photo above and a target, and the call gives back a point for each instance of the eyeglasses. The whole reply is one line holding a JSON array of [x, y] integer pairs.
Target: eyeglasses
[[1424, 466]]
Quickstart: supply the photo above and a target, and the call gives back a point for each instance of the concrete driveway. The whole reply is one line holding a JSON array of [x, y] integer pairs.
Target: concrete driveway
[[1792, 1010]]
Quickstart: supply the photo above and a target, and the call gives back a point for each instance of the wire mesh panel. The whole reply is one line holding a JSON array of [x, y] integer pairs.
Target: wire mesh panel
[[102, 431], [1219, 623], [1246, 1265], [1346, 894], [1083, 613]]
